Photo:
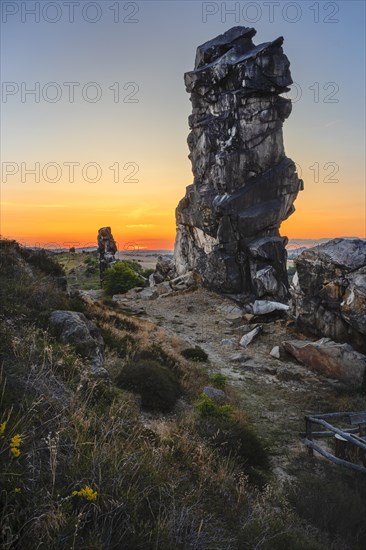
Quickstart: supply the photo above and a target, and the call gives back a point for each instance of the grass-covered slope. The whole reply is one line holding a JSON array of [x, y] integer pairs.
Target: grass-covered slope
[[83, 467]]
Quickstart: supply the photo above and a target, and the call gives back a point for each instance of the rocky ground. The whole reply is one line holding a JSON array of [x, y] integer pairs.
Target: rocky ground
[[276, 393]]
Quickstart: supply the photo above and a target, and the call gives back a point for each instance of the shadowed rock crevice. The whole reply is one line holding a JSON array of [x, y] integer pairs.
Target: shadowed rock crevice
[[244, 185]]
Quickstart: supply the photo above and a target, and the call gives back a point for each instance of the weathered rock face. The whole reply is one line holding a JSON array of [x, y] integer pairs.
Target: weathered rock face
[[107, 248], [244, 185], [334, 360], [72, 327], [329, 294], [165, 270]]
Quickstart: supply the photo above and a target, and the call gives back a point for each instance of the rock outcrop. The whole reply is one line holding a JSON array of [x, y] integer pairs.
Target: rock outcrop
[[72, 327], [339, 361], [107, 247], [329, 291], [244, 185], [165, 270]]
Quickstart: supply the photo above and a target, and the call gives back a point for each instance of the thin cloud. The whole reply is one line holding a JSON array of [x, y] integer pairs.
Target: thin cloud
[[332, 123], [28, 205], [140, 225]]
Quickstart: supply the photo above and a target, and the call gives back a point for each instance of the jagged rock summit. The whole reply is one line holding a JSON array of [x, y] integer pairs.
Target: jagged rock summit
[[244, 185]]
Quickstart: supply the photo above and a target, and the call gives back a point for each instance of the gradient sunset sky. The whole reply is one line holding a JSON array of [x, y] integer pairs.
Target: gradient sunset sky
[[142, 50]]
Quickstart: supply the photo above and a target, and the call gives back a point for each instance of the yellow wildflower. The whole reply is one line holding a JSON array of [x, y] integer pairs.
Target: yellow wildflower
[[87, 493], [15, 451], [15, 441], [15, 444], [2, 429], [17, 490]]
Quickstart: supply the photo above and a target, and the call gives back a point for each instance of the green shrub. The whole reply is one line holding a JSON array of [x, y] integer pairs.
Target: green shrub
[[158, 386], [137, 267], [157, 353], [218, 380], [120, 278], [208, 407], [195, 354]]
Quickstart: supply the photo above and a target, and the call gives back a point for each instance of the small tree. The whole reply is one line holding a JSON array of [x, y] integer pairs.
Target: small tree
[[120, 278]]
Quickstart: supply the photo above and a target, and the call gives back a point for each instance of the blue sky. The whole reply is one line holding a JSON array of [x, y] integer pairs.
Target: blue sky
[[325, 42]]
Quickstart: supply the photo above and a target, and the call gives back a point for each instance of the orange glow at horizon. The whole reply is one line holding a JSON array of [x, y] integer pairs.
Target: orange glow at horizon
[[143, 216], [36, 225]]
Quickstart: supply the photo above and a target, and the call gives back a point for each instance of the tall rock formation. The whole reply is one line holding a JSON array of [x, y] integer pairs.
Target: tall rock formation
[[107, 247], [244, 185]]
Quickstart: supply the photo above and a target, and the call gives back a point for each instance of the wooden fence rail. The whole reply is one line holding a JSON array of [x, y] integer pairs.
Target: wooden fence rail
[[354, 436]]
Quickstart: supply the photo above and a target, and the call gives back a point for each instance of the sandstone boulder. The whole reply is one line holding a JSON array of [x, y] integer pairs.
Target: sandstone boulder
[[334, 360]]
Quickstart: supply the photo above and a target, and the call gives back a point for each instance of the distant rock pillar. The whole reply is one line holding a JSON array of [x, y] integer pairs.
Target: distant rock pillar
[[107, 248]]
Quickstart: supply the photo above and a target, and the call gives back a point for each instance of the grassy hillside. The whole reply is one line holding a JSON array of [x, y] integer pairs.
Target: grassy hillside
[[81, 269], [90, 464]]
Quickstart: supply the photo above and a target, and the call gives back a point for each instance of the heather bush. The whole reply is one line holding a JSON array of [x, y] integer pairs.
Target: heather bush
[[158, 386], [195, 354]]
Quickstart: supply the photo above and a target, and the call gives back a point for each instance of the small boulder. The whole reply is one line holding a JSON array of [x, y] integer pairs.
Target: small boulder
[[215, 394], [228, 342], [248, 317], [165, 270], [164, 288], [263, 307], [149, 293], [248, 338], [278, 352], [72, 327], [240, 357], [275, 352], [184, 282]]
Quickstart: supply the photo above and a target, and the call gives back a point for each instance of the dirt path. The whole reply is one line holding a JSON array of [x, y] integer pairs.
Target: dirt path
[[276, 394]]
